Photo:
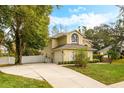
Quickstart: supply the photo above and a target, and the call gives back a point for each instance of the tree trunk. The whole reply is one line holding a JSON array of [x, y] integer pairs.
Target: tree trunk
[[18, 58], [18, 39]]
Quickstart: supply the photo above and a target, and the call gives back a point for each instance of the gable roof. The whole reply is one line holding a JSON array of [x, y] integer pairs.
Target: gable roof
[[65, 34], [105, 49], [59, 35]]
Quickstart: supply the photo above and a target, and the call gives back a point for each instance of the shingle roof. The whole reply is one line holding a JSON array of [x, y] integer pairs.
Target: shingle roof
[[106, 48], [121, 44], [59, 35], [64, 34], [72, 46]]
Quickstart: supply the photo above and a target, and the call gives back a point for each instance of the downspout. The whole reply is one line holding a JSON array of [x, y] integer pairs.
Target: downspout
[[62, 56]]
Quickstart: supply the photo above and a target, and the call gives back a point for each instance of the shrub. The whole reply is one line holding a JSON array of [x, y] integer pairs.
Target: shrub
[[59, 63], [0, 53], [81, 58], [94, 61], [106, 60], [113, 54], [71, 62], [98, 56], [122, 57], [66, 62], [30, 51]]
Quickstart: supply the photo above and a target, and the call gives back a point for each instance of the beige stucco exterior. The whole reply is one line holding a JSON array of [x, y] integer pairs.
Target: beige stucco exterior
[[68, 55], [82, 40], [58, 41], [90, 55], [58, 54]]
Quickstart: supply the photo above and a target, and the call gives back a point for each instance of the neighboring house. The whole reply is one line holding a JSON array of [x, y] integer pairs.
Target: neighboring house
[[120, 46], [3, 49], [62, 46], [104, 50]]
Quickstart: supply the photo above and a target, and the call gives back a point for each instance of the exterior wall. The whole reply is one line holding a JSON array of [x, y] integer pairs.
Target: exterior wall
[[69, 38], [47, 51], [103, 52], [90, 55], [62, 41], [82, 41], [54, 43], [59, 41], [68, 55], [58, 56]]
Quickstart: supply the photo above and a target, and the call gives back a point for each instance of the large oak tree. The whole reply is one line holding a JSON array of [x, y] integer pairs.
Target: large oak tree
[[28, 26]]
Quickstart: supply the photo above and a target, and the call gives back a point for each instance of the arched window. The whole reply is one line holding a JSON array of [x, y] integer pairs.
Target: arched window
[[74, 38]]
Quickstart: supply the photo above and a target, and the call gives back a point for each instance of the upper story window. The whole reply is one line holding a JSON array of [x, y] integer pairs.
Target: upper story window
[[74, 38]]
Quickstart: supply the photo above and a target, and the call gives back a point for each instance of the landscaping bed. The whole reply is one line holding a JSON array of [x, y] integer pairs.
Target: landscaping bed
[[120, 61], [104, 73], [13, 81]]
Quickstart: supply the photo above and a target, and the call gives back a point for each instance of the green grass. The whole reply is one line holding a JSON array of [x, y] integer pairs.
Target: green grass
[[13, 81], [104, 73]]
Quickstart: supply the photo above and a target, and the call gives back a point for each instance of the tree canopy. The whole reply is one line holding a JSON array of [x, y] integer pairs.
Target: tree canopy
[[27, 25], [108, 34]]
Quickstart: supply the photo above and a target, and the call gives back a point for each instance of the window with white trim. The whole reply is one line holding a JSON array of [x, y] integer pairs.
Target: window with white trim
[[74, 38]]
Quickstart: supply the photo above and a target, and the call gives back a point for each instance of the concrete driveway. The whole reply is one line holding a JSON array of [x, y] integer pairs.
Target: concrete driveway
[[56, 75]]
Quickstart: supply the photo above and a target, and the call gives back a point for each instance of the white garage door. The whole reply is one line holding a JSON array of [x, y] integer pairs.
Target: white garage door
[[57, 56]]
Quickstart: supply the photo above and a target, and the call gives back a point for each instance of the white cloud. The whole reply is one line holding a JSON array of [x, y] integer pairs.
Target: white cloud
[[90, 20], [77, 9]]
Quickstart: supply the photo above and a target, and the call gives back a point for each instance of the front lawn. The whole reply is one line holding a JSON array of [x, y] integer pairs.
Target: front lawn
[[13, 81], [105, 73]]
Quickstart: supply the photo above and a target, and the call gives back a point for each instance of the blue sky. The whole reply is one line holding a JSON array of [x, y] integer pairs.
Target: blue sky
[[69, 17]]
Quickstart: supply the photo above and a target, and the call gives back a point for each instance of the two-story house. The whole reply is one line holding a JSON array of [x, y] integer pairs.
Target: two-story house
[[62, 46]]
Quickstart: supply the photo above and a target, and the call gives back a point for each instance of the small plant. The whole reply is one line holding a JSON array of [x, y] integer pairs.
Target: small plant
[[98, 56], [113, 55], [81, 58], [66, 62], [59, 63], [94, 61], [0, 53]]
